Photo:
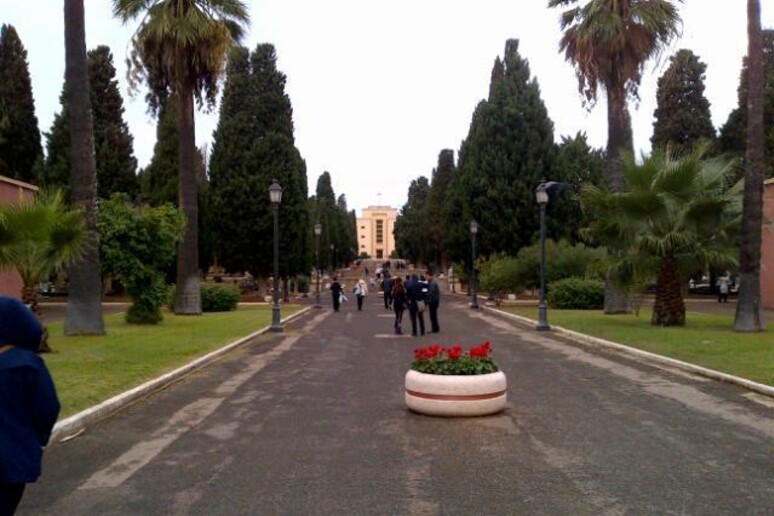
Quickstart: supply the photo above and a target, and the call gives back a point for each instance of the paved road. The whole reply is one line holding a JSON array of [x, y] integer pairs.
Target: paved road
[[312, 422]]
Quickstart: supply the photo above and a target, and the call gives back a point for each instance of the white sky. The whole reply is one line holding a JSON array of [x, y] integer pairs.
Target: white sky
[[379, 88]]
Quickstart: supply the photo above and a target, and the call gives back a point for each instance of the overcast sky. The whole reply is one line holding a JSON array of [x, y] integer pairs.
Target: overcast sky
[[379, 88]]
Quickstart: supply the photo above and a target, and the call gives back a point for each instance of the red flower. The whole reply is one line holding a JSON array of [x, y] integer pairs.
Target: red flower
[[455, 352]]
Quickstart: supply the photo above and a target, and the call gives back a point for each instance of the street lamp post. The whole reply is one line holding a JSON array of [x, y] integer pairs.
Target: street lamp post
[[541, 194], [473, 294], [317, 233], [275, 196]]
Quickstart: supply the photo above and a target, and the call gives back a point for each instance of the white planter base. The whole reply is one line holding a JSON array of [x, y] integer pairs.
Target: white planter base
[[456, 395]]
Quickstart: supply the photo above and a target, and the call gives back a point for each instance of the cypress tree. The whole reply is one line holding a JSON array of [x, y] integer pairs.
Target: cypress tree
[[113, 144], [56, 170], [733, 134], [20, 144], [509, 149], [253, 145], [272, 105], [158, 181], [412, 225], [442, 175], [683, 112], [326, 216]]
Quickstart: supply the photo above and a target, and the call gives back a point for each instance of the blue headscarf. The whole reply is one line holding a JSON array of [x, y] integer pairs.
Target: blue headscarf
[[18, 325]]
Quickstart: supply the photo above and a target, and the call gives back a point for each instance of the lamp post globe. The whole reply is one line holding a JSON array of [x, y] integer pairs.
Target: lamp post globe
[[275, 196], [541, 195], [473, 279], [317, 233]]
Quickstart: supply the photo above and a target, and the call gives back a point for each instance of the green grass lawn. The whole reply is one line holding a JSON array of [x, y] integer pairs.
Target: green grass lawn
[[89, 370], [706, 340]]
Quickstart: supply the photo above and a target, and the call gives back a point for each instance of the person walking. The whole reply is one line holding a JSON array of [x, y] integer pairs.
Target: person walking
[[723, 289], [29, 405], [387, 288], [336, 293], [398, 295], [416, 292], [433, 301], [361, 291]]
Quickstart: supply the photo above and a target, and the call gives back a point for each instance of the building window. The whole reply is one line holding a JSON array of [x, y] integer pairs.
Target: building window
[[379, 231], [362, 246]]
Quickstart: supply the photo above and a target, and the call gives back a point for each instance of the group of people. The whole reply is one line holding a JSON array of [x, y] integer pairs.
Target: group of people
[[415, 293]]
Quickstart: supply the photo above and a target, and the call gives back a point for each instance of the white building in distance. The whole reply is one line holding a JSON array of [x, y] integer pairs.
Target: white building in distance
[[375, 231]]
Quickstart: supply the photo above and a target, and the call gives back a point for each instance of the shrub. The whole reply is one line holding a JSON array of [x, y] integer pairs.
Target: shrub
[[563, 260], [219, 297], [577, 294]]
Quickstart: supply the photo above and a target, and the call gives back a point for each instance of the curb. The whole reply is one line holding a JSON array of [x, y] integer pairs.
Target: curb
[[74, 424], [658, 360]]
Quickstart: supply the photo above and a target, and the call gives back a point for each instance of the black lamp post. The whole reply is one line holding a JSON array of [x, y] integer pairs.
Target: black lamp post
[[317, 233], [473, 294], [541, 194], [275, 195]]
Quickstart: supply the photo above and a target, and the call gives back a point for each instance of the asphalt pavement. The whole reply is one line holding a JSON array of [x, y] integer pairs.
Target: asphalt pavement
[[312, 421]]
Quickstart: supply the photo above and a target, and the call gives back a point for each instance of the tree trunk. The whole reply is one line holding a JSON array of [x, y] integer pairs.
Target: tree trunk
[[84, 304], [188, 299], [749, 313], [669, 307], [619, 140]]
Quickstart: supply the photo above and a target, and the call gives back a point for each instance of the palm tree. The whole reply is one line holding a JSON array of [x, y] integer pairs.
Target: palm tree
[[674, 214], [84, 304], [749, 314], [609, 42], [180, 50], [40, 238]]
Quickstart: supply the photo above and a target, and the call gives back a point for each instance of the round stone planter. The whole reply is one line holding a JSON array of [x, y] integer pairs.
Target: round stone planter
[[455, 395]]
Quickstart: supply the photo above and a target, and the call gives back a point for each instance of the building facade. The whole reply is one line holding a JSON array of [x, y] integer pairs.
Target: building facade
[[375, 231], [12, 192]]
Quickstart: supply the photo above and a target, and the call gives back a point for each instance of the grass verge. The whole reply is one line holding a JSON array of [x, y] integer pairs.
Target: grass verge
[[89, 370], [706, 340]]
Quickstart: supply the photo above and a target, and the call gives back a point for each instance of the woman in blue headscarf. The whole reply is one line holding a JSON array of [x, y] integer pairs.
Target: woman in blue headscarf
[[28, 402]]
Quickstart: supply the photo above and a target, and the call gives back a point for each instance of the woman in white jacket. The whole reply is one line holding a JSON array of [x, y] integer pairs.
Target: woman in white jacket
[[361, 291]]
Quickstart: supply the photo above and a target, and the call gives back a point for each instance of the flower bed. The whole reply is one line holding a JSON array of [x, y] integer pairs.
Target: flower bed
[[452, 382]]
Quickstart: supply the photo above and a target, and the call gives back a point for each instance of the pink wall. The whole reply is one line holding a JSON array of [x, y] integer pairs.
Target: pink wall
[[767, 246], [11, 192]]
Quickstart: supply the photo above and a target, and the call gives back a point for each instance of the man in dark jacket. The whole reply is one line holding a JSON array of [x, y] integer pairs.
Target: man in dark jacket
[[387, 287], [336, 291], [433, 301], [28, 402], [416, 293]]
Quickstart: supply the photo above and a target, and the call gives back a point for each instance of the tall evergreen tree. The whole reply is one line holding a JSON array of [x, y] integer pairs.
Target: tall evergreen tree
[[733, 134], [55, 172], [253, 146], [113, 144], [20, 144], [509, 149], [682, 112], [158, 181], [442, 175], [578, 165], [412, 225], [326, 217], [273, 109]]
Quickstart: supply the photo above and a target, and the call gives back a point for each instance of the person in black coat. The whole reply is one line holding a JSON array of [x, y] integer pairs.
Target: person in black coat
[[416, 292], [399, 302], [336, 293], [28, 402], [433, 301]]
